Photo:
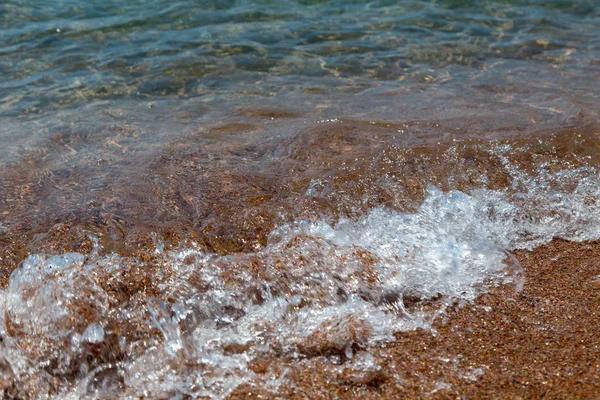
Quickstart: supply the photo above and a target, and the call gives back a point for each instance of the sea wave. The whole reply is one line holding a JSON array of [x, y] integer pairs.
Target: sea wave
[[188, 322]]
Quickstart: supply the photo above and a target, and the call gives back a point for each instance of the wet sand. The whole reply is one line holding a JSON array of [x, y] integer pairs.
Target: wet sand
[[542, 342]]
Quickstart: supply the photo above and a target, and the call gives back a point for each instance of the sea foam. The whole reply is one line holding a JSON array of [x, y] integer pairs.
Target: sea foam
[[315, 290]]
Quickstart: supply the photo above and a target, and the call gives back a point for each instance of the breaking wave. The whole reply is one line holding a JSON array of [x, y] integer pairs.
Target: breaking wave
[[187, 322]]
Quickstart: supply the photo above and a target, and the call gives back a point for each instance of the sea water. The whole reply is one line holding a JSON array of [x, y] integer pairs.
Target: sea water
[[188, 188]]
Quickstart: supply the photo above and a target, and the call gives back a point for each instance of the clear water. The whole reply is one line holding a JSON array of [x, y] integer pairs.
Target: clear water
[[188, 188], [70, 53]]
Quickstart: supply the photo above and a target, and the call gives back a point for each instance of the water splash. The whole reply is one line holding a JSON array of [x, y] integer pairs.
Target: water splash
[[192, 323]]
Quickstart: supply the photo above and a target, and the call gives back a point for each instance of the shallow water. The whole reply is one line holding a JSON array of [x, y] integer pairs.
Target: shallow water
[[188, 188]]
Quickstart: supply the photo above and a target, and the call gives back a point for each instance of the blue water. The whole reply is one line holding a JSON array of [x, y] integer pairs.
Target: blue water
[[67, 53]]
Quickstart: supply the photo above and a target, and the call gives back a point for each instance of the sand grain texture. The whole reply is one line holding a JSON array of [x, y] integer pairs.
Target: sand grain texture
[[540, 343]]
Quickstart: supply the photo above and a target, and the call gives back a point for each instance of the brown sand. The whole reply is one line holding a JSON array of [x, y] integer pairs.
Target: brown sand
[[542, 342]]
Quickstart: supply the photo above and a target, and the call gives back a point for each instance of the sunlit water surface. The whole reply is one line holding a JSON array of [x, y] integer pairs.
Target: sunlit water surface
[[189, 188]]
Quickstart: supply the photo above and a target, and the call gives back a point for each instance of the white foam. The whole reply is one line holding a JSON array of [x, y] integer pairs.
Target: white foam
[[316, 289]]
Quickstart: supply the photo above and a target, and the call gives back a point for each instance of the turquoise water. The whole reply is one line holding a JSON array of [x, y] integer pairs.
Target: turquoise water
[[190, 187], [65, 54]]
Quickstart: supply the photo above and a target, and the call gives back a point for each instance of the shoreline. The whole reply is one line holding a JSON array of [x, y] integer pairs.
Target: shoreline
[[539, 343]]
